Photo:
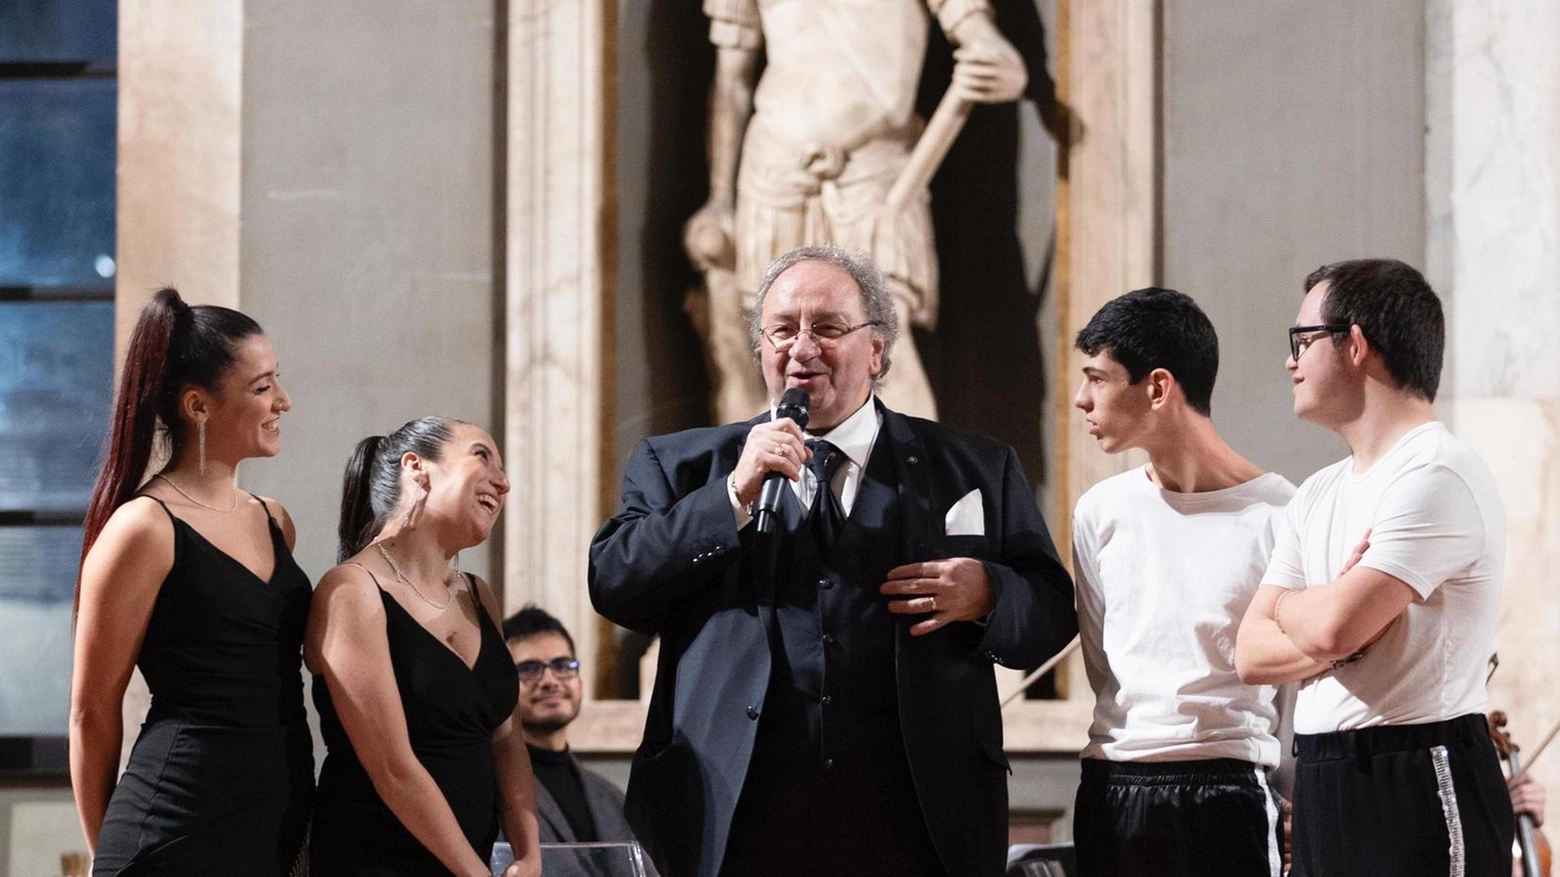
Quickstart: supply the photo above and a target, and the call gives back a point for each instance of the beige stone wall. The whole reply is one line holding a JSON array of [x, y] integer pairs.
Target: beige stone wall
[[1293, 137], [366, 236]]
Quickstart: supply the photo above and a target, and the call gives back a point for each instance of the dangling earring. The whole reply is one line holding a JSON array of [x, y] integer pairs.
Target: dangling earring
[[414, 512], [457, 566], [200, 428]]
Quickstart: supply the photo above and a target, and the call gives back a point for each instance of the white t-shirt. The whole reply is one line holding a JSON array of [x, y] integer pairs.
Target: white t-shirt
[[1436, 522], [1163, 580]]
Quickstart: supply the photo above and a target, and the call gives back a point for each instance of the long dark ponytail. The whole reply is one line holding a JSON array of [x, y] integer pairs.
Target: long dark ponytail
[[173, 345], [371, 487]]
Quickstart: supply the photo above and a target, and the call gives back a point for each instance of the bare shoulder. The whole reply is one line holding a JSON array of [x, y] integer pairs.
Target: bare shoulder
[[276, 510], [348, 591], [140, 525], [346, 619], [142, 515], [130, 559]]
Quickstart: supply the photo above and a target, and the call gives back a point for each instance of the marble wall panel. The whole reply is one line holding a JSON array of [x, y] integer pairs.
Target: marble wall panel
[[1520, 440], [41, 827], [1496, 192], [1493, 240]]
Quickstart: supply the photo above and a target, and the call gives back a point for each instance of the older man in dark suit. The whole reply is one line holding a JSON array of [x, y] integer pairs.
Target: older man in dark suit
[[824, 702]]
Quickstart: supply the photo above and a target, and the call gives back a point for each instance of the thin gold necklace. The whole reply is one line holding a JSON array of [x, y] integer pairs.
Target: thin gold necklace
[[198, 502], [449, 595]]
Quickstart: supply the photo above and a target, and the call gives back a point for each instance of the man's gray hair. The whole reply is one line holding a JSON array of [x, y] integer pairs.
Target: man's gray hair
[[875, 298]]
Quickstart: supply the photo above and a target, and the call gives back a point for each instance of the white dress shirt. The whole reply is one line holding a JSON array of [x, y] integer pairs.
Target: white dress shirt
[[855, 437]]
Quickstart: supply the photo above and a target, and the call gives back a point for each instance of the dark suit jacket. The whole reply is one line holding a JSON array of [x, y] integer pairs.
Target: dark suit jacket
[[606, 810], [671, 562]]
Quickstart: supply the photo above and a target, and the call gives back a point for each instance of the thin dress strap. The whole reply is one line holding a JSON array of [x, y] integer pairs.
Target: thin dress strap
[[476, 599], [166, 510], [370, 574], [267, 508], [172, 518]]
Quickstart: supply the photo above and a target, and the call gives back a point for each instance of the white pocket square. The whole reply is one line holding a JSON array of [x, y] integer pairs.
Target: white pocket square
[[967, 517]]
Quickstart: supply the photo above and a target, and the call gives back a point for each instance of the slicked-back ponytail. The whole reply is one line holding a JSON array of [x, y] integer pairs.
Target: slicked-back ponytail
[[173, 345], [371, 487], [143, 387], [357, 528]]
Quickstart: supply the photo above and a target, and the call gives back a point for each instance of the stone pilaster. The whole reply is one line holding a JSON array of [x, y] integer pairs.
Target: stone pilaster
[[558, 347], [180, 67], [1493, 199]]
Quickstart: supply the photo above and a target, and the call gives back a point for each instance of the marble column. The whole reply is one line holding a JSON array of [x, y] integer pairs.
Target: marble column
[[557, 354], [180, 85], [1107, 205], [1107, 208], [1493, 241]]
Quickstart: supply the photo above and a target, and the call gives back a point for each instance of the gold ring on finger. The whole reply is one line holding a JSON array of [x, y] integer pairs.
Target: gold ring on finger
[[932, 601]]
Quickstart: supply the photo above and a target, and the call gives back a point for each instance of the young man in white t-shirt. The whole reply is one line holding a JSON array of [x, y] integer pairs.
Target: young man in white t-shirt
[[1166, 558], [1382, 595]]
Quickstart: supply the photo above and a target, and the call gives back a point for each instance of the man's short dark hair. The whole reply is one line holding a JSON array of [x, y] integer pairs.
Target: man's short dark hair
[[1158, 328], [1397, 311], [533, 620]]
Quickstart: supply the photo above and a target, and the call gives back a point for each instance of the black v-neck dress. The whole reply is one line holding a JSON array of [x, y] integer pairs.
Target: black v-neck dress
[[451, 714], [221, 776]]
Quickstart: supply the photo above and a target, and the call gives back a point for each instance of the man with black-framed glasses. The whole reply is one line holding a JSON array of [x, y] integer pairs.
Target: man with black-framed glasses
[[1382, 595], [573, 805]]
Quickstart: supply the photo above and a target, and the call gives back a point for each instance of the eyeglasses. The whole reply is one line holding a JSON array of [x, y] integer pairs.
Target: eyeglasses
[[563, 668], [784, 335], [1302, 337]]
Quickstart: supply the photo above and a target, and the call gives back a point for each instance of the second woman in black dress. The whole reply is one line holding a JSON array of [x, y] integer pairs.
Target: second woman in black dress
[[415, 689]]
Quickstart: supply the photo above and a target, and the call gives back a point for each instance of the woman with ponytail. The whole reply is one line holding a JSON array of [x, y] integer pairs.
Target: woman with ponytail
[[417, 695], [193, 581]]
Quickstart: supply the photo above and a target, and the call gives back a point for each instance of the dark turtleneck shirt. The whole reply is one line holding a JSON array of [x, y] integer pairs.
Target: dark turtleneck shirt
[[556, 772]]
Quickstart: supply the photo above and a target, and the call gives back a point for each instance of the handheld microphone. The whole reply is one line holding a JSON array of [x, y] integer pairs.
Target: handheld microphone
[[793, 405]]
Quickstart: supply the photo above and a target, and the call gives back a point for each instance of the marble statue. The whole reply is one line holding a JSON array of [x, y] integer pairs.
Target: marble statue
[[825, 147]]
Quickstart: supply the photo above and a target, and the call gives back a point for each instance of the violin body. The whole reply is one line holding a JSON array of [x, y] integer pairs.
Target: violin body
[[1533, 853]]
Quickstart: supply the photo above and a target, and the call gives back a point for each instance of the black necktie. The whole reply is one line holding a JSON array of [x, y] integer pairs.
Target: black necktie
[[828, 516]]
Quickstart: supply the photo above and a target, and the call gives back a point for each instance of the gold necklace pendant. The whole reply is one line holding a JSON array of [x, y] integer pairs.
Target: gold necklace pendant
[[198, 502], [449, 595]]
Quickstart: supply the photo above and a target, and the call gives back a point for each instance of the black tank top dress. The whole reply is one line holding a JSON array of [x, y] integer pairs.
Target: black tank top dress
[[221, 777], [451, 714]]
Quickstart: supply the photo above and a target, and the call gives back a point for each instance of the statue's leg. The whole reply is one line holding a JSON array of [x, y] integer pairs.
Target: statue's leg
[[739, 387], [906, 388]]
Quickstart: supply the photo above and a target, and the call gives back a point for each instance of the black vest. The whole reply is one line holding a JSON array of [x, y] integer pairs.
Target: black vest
[[832, 705]]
